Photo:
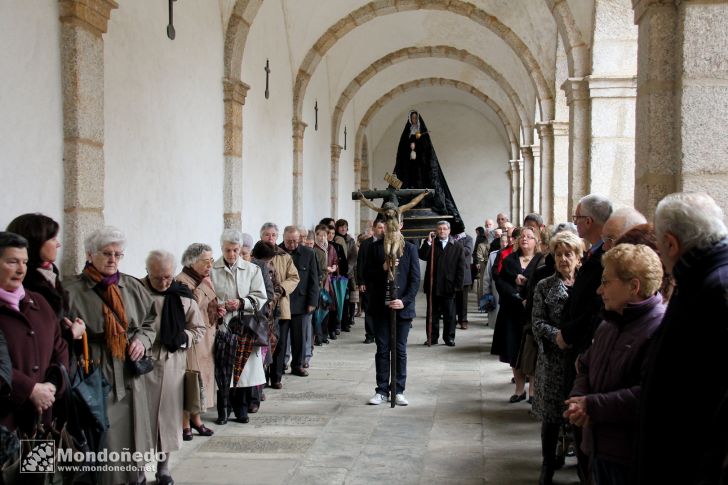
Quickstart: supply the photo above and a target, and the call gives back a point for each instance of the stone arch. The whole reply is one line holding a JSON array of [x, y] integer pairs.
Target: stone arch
[[234, 92], [439, 51], [577, 51], [433, 81], [376, 9]]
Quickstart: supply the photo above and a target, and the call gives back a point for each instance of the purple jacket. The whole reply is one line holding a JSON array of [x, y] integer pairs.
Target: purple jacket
[[611, 370]]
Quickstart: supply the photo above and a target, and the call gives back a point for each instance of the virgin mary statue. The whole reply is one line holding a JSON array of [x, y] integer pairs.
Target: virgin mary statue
[[418, 168]]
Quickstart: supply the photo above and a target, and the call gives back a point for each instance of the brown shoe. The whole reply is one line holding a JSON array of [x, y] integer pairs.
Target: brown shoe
[[253, 408], [276, 385], [464, 324], [298, 371]]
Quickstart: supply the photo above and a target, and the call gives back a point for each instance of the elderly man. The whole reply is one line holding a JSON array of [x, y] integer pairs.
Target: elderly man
[[461, 294], [303, 299], [443, 276], [621, 221], [581, 314], [377, 234], [681, 439], [502, 220], [288, 279]]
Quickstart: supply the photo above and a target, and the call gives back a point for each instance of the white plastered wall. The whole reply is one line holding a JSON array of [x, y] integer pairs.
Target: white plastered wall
[[164, 128], [267, 129], [472, 156], [31, 123], [347, 180]]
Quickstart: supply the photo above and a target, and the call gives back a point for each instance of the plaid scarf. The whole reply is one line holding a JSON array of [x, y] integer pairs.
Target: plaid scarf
[[115, 322]]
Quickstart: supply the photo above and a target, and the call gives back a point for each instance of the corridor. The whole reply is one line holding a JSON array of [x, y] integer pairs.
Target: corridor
[[458, 429]]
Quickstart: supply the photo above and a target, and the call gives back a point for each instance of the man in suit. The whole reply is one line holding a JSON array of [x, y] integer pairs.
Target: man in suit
[[361, 264], [407, 282], [461, 295], [443, 277], [303, 299]]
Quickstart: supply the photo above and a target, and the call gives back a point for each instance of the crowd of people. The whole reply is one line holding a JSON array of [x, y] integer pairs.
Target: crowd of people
[[615, 330]]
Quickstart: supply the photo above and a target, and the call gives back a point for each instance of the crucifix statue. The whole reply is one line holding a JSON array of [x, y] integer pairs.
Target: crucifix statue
[[267, 74], [315, 108], [170, 25], [344, 137]]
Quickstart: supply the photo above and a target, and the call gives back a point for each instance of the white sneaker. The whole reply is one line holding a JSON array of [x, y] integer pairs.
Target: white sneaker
[[400, 400], [378, 399]]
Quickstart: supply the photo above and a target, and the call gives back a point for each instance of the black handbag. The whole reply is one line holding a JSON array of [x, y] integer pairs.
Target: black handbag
[[141, 366], [256, 324]]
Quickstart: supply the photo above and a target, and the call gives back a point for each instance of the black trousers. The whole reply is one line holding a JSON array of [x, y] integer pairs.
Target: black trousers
[[297, 341], [442, 307], [382, 357], [461, 304], [368, 319], [279, 356]]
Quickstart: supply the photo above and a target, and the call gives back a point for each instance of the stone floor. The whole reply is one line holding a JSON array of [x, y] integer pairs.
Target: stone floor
[[458, 429]]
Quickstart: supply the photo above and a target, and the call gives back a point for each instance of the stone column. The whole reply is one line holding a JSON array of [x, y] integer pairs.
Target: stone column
[[528, 178], [335, 154], [612, 137], [560, 187], [364, 212], [357, 205], [234, 93], [298, 128], [536, 149], [546, 136], [516, 191], [83, 23], [577, 97]]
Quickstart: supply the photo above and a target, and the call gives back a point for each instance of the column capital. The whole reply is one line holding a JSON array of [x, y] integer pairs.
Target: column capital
[[234, 90], [516, 165], [640, 7], [298, 128], [92, 15], [527, 152], [561, 128], [576, 89], [612, 86], [336, 151], [545, 129]]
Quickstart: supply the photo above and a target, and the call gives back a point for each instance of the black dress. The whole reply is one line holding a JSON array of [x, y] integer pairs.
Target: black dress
[[509, 325], [424, 172]]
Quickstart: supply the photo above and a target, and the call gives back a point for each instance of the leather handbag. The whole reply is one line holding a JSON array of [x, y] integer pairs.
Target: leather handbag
[[194, 389], [141, 366]]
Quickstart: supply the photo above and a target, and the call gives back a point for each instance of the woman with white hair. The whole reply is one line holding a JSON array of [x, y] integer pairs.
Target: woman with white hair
[[178, 324], [240, 290], [197, 266], [119, 320]]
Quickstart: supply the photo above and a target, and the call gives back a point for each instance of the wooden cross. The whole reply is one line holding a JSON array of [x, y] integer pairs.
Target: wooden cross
[[267, 74], [344, 137], [315, 108], [170, 25]]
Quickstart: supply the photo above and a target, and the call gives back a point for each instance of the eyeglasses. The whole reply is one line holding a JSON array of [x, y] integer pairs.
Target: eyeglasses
[[111, 254], [528, 237], [575, 218]]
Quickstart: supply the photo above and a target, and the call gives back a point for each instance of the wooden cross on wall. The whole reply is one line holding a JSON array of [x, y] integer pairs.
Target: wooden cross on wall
[[170, 25], [315, 108], [344, 137], [267, 75]]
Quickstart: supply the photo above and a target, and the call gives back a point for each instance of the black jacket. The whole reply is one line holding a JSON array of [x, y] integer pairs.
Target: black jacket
[[361, 259], [682, 437], [343, 265], [449, 267], [307, 292], [408, 280]]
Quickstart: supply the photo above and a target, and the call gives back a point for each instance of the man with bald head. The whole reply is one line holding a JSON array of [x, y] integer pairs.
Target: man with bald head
[[621, 221], [503, 222]]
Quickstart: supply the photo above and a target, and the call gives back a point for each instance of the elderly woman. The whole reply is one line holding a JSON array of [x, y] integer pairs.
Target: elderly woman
[[119, 320], [197, 265], [605, 396], [517, 269], [238, 364], [178, 324], [34, 343], [43, 276], [328, 262], [549, 298]]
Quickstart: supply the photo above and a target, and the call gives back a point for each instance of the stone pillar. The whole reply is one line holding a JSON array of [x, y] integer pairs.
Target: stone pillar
[[546, 136], [83, 23], [298, 128], [528, 178], [364, 212], [357, 205], [656, 141], [612, 137], [560, 178], [335, 155], [577, 97], [234, 93], [681, 100], [536, 149], [516, 191]]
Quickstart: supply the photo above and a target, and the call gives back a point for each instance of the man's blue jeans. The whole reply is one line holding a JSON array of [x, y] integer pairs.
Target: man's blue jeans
[[381, 358]]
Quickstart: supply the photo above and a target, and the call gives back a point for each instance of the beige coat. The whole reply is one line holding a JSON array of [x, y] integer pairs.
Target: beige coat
[[288, 279], [165, 384], [200, 356], [128, 407]]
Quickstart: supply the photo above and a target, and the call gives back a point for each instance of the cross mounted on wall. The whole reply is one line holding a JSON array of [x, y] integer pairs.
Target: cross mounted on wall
[[344, 137], [315, 108], [267, 75], [170, 25]]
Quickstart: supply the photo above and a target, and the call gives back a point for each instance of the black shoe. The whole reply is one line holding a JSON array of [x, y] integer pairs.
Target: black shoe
[[325, 341], [244, 420], [187, 434], [164, 480], [517, 397], [337, 331], [368, 340], [333, 336], [433, 342], [346, 329], [450, 343], [547, 475]]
